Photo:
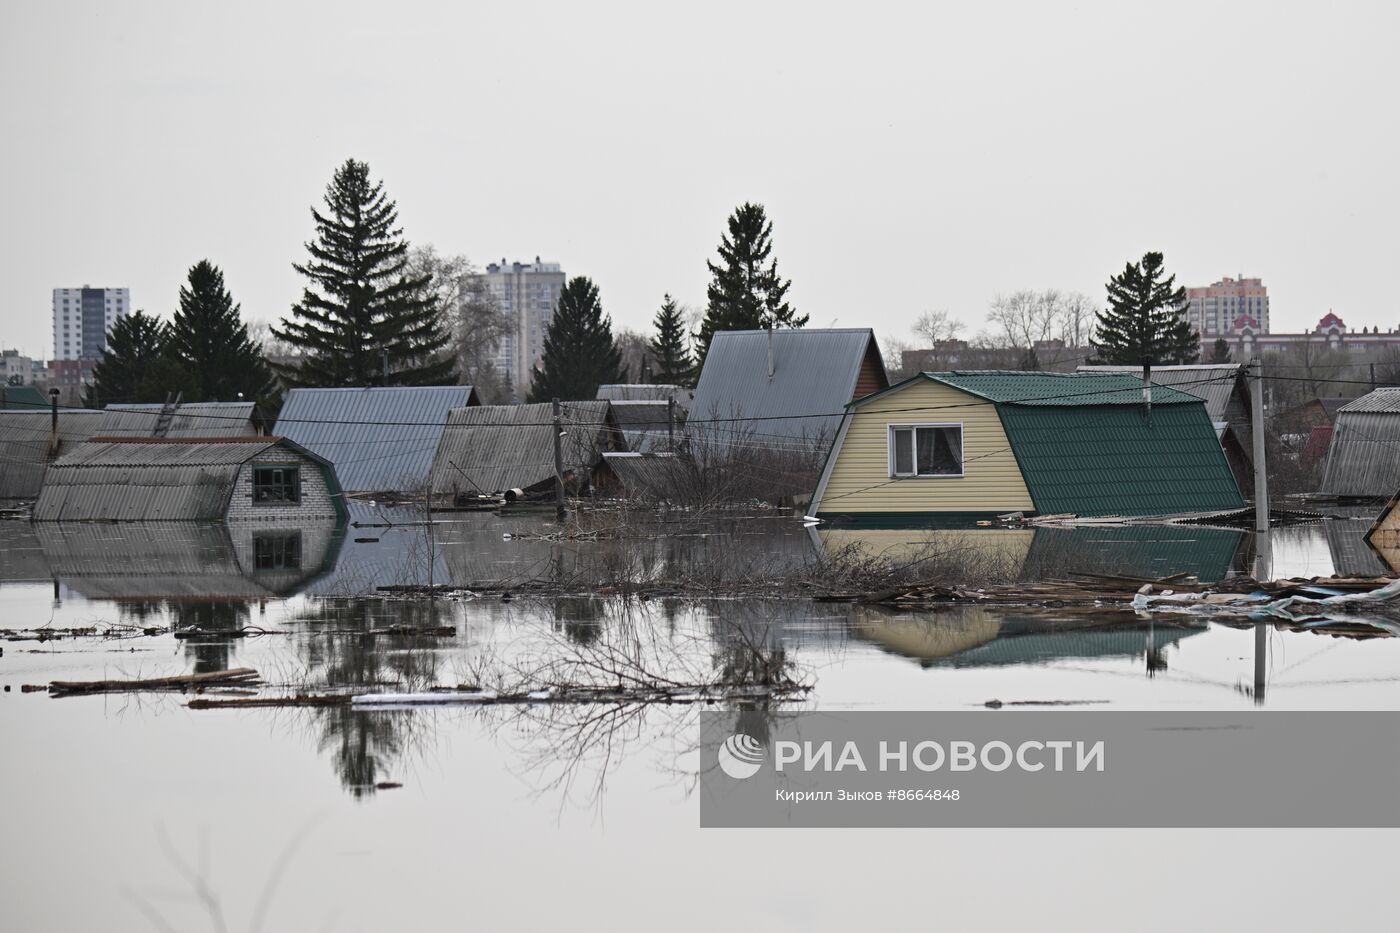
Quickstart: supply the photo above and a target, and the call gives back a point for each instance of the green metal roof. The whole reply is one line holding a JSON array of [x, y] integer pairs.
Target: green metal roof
[[25, 398], [1059, 389], [1114, 459]]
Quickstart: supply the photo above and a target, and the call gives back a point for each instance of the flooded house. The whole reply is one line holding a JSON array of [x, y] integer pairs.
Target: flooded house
[[380, 439], [646, 392], [1383, 537], [782, 388], [1363, 459], [32, 439], [1224, 387], [489, 450], [954, 448], [264, 480]]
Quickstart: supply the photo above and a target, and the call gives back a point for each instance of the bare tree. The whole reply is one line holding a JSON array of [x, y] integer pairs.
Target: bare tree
[[635, 350], [1077, 316], [935, 327], [1026, 317], [470, 315]]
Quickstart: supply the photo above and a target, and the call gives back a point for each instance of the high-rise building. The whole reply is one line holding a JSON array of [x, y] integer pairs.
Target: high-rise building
[[82, 317], [1228, 307], [529, 293]]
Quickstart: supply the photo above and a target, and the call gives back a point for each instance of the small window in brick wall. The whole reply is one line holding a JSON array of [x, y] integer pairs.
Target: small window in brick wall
[[277, 550], [276, 485]]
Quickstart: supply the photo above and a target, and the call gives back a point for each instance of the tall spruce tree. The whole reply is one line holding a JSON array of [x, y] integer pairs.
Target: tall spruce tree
[[136, 367], [362, 304], [745, 291], [208, 337], [1143, 321], [670, 347], [579, 353]]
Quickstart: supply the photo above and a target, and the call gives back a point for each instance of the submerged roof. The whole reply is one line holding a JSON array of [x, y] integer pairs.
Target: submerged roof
[[815, 374], [151, 479], [1363, 458], [1213, 383], [1386, 401], [493, 448], [26, 446], [379, 438], [643, 392], [645, 426], [201, 419]]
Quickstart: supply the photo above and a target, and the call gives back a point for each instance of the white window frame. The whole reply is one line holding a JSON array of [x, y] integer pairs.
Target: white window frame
[[904, 425]]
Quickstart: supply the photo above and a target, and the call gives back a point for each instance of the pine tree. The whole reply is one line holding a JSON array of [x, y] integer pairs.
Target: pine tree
[[669, 346], [579, 353], [1220, 352], [136, 366], [208, 337], [1143, 322], [362, 304], [746, 292]]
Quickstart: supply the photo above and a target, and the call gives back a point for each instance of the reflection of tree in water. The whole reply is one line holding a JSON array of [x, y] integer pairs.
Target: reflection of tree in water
[[580, 618], [341, 654], [210, 651]]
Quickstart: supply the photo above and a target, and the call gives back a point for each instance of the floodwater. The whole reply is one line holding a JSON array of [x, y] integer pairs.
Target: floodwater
[[134, 812]]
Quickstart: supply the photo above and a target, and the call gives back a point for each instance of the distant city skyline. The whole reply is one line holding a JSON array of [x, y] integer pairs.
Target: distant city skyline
[[939, 161]]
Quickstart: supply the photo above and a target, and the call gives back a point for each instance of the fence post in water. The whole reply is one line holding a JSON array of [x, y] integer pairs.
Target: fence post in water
[[558, 464], [1261, 473]]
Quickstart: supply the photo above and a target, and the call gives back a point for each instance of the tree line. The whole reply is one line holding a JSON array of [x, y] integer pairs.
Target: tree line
[[376, 311]]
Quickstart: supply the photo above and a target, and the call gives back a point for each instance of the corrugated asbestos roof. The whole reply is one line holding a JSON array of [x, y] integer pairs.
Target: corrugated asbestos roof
[[203, 419], [379, 438], [1062, 390], [1377, 400], [25, 442], [1213, 383], [647, 475], [1363, 459], [814, 378], [645, 426], [144, 481], [493, 448], [1110, 459]]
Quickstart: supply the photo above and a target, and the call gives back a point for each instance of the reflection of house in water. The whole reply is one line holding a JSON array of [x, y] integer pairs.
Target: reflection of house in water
[[977, 637], [1038, 553]]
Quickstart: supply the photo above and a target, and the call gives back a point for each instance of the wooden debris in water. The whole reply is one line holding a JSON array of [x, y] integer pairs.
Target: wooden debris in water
[[241, 676]]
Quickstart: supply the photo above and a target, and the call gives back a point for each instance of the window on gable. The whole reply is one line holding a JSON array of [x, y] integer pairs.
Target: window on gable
[[276, 485], [926, 450]]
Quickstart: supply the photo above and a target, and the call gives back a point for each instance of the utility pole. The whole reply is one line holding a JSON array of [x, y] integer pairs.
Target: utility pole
[[1373, 377], [384, 365], [1261, 472], [558, 463], [671, 423]]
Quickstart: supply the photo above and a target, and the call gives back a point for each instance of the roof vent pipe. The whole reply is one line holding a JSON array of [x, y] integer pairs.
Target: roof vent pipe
[[770, 351], [1147, 387]]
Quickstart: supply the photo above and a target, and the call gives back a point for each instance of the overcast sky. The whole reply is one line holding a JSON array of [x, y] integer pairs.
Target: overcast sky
[[912, 157]]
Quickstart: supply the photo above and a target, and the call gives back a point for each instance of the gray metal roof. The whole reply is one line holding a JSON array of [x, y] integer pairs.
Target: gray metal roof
[[202, 419], [1214, 383], [493, 448], [814, 377], [25, 442], [645, 426], [1385, 401], [645, 392], [1364, 456], [145, 480], [647, 475], [379, 438]]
